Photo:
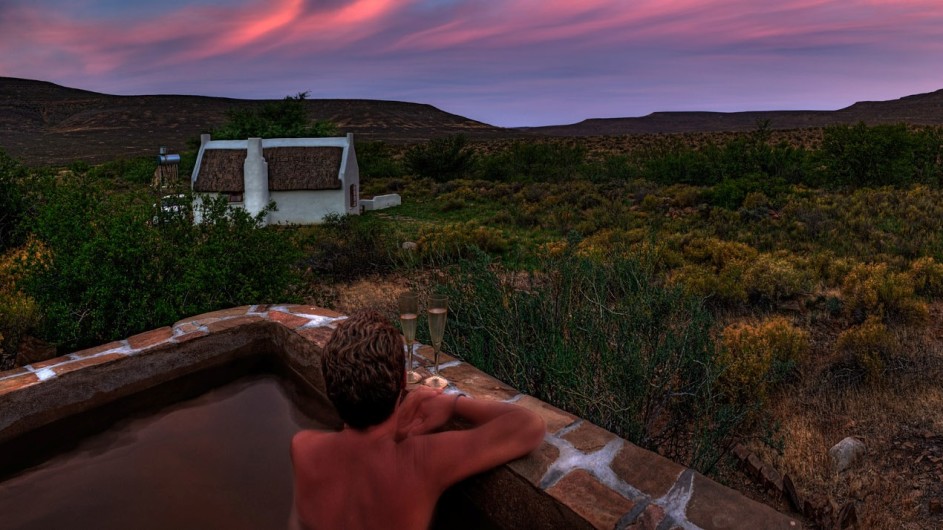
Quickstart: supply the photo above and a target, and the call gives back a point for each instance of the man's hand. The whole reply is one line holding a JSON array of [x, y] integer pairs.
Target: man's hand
[[424, 410]]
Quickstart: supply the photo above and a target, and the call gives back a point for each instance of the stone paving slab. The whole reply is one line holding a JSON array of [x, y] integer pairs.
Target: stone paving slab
[[478, 384], [313, 310], [588, 438], [601, 506], [65, 368], [288, 320], [650, 473], [18, 382], [556, 419], [96, 350], [150, 338]]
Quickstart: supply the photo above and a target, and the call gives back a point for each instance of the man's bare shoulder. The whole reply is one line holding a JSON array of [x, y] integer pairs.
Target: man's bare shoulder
[[309, 443]]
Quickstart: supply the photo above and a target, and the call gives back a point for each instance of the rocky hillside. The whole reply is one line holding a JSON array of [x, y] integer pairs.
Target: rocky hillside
[[42, 123], [920, 109]]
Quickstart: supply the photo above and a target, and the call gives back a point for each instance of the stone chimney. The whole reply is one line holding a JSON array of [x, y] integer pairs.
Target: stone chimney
[[255, 173]]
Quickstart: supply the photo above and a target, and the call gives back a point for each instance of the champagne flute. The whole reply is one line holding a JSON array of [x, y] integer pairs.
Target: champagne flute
[[408, 316], [438, 310]]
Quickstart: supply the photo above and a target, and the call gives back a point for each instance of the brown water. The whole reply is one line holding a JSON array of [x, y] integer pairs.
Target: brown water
[[217, 461]]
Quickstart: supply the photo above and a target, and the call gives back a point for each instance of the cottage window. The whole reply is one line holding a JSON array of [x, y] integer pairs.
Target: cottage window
[[353, 195], [234, 197]]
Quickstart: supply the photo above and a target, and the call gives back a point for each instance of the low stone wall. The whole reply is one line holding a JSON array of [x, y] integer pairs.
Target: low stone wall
[[582, 476]]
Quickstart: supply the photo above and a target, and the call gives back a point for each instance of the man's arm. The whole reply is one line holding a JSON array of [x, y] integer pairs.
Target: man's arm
[[500, 432]]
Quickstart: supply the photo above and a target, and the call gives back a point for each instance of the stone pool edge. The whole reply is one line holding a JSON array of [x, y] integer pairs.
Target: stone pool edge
[[582, 475]]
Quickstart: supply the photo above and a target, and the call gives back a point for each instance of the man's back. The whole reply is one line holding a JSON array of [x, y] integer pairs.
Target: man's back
[[391, 475], [353, 480]]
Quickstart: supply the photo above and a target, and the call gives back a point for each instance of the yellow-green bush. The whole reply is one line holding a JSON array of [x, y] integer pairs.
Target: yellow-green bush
[[724, 286], [455, 239], [927, 277], [867, 347], [755, 200], [717, 252], [684, 195], [873, 290], [19, 313], [774, 277], [753, 355], [607, 241]]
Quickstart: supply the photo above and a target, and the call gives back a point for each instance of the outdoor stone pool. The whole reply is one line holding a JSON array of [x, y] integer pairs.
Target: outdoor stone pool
[[76, 447]]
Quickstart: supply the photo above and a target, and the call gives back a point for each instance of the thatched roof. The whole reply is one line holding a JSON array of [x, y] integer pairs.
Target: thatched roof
[[303, 168], [221, 171], [289, 169]]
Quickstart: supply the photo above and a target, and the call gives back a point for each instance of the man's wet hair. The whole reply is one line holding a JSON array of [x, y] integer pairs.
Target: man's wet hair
[[363, 365]]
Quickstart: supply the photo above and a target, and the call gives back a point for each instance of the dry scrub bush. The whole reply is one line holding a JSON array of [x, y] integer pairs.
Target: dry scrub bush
[[774, 277], [605, 242], [723, 287], [715, 269], [873, 290], [718, 252], [927, 277], [865, 349], [684, 195], [19, 314], [454, 240], [756, 356]]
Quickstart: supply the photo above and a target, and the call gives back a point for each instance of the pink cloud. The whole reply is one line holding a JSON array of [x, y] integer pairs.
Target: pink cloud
[[422, 50]]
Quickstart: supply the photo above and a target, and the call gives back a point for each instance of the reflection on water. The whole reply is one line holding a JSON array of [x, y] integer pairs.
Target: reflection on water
[[217, 461]]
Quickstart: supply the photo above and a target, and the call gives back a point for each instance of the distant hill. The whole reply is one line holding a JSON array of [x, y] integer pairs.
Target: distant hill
[[920, 109], [42, 123]]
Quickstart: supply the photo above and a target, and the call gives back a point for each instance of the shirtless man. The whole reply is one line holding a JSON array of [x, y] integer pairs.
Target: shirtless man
[[391, 462]]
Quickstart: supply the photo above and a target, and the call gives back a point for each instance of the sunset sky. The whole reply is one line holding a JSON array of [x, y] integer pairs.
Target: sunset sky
[[504, 62]]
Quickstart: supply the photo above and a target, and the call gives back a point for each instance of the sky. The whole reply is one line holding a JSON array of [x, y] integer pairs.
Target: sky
[[503, 62]]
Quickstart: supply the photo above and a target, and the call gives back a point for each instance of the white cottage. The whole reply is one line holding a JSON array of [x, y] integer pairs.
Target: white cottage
[[307, 178]]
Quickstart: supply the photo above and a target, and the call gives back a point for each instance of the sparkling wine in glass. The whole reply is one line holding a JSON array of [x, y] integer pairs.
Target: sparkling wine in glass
[[408, 316], [438, 310]]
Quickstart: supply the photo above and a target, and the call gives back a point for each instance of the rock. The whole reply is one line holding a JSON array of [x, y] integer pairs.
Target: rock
[[846, 452], [792, 493], [409, 245]]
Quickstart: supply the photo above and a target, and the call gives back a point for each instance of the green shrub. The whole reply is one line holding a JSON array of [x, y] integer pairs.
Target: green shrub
[[535, 161], [881, 155], [138, 170], [352, 246], [112, 272], [12, 201], [603, 340], [731, 192], [376, 160], [441, 159], [287, 118]]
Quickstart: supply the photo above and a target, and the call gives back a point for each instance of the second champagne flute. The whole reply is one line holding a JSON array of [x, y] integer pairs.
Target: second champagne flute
[[438, 310], [408, 317]]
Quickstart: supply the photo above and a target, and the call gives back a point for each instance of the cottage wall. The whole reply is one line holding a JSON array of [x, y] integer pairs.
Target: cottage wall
[[301, 207]]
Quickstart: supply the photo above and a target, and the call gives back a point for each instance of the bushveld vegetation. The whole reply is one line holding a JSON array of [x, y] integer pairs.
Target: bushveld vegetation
[[674, 289]]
